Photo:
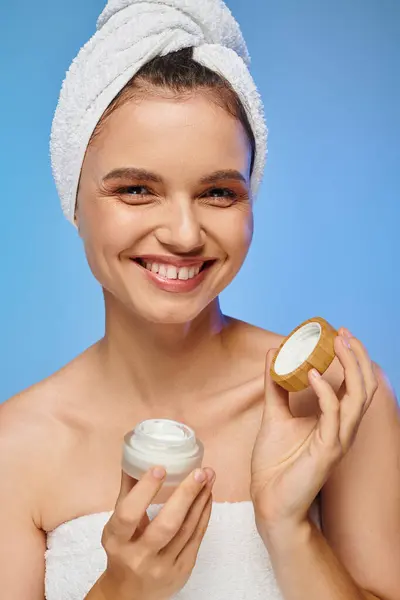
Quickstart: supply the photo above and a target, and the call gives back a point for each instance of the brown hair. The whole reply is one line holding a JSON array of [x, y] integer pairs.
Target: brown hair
[[180, 73]]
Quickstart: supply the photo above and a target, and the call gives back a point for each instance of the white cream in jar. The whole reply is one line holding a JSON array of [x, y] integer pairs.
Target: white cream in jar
[[164, 442], [298, 348]]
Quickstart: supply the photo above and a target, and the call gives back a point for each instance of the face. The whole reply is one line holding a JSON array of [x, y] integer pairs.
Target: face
[[164, 206]]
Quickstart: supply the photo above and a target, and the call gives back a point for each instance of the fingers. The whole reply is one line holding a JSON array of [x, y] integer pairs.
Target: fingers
[[276, 404], [359, 384], [329, 419], [190, 551], [172, 515], [339, 421], [131, 505], [190, 524], [354, 381], [366, 367], [127, 483]]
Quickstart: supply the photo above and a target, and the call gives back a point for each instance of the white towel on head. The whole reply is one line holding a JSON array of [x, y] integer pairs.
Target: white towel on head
[[129, 34]]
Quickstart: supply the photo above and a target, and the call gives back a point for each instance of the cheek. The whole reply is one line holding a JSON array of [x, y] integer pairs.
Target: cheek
[[106, 232], [236, 232], [108, 224], [249, 229]]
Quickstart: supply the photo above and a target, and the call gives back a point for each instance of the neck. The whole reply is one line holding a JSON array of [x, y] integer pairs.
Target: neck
[[161, 365]]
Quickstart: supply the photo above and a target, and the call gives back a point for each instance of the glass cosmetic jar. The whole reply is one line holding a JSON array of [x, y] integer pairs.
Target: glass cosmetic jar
[[163, 442]]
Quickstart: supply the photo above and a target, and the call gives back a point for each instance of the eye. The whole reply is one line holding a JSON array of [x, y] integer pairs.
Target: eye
[[220, 196], [134, 190], [134, 194]]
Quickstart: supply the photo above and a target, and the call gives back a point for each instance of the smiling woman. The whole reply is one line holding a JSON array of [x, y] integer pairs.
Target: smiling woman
[[158, 147], [168, 167]]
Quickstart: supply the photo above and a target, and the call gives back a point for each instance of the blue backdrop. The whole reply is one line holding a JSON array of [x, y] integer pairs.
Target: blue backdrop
[[327, 219]]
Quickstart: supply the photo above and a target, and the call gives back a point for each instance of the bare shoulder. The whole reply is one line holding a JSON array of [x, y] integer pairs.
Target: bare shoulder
[[254, 343], [251, 341], [35, 429], [360, 500], [46, 405], [52, 401]]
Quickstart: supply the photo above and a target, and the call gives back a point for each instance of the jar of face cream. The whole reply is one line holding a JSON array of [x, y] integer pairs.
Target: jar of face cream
[[164, 442], [309, 345]]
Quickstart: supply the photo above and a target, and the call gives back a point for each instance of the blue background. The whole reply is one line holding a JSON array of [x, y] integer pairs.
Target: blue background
[[327, 219]]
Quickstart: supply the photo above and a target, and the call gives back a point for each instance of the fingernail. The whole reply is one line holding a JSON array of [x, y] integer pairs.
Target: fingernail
[[210, 474], [158, 472], [199, 475], [315, 373], [346, 333], [345, 341]]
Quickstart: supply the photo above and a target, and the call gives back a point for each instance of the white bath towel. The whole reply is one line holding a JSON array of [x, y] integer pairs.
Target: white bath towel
[[232, 563], [129, 34]]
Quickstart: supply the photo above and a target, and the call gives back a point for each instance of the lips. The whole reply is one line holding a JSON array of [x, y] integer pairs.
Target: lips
[[174, 275], [174, 271], [172, 260]]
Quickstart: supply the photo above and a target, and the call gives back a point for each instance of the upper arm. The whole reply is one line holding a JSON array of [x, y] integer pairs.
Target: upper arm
[[360, 506], [22, 543]]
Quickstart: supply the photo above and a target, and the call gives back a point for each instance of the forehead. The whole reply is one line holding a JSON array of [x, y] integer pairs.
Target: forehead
[[165, 133]]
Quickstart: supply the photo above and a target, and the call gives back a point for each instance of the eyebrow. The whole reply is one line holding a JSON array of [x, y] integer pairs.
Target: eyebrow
[[144, 175], [224, 174], [132, 173]]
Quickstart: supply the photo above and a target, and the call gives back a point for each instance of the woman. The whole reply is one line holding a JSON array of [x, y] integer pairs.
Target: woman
[[164, 209]]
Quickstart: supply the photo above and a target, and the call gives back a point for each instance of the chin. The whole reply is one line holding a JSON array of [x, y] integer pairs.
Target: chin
[[163, 302], [172, 312]]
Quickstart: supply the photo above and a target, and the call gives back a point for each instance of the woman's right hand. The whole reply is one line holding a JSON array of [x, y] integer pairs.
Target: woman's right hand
[[152, 560]]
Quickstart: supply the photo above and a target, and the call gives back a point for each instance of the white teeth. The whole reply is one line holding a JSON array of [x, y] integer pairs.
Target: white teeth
[[183, 273], [173, 272], [163, 270]]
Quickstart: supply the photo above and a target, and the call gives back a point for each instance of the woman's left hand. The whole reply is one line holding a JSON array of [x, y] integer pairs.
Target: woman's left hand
[[293, 456]]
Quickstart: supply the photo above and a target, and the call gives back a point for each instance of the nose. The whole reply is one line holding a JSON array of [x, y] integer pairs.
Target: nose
[[181, 231]]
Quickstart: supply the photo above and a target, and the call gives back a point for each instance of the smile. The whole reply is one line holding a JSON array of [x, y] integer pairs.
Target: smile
[[174, 278], [172, 271]]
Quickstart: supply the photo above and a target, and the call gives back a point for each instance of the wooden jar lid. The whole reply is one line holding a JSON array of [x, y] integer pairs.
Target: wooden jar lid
[[308, 346]]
